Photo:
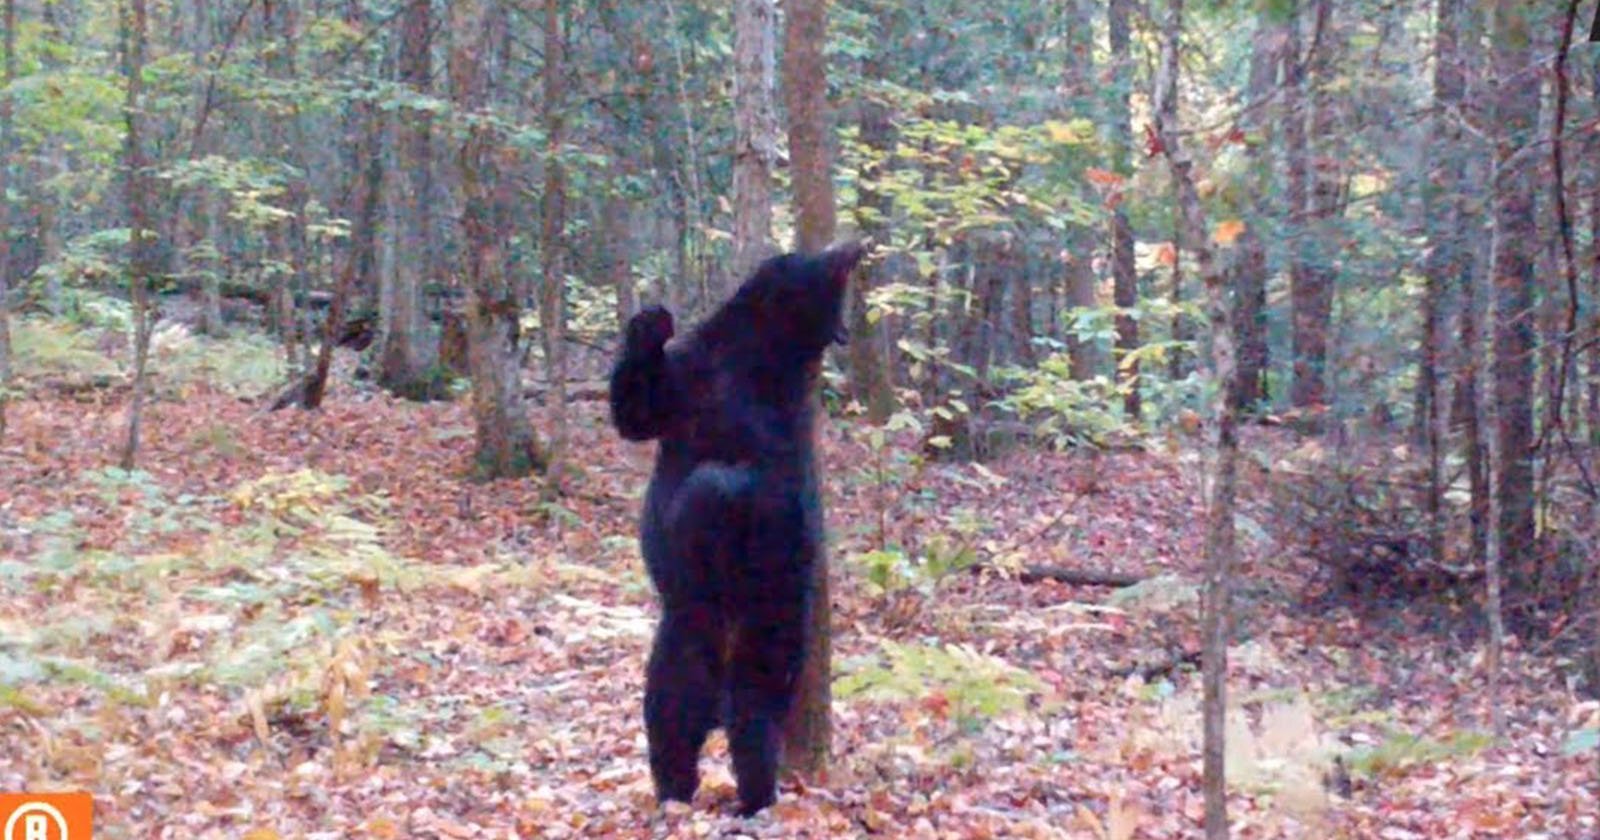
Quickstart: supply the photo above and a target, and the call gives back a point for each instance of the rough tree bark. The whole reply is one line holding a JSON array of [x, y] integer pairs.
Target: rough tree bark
[[138, 195], [1446, 267], [505, 443], [1079, 84], [1516, 115], [1219, 546], [755, 136], [552, 253], [805, 86], [1125, 282], [404, 360]]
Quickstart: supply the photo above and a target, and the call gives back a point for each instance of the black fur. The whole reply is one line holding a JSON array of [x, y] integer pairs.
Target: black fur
[[732, 520]]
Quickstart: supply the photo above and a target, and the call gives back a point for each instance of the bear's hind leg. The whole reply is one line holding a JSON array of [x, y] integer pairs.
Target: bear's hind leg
[[683, 688], [767, 654]]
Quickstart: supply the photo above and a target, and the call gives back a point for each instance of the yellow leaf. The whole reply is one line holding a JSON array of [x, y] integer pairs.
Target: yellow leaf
[[1060, 132], [259, 834], [1227, 232]]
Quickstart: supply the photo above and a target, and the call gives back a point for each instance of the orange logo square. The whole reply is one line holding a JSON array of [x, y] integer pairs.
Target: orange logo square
[[46, 816]]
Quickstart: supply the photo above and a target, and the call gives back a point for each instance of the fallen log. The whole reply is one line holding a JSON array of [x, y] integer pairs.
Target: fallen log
[[1077, 577]]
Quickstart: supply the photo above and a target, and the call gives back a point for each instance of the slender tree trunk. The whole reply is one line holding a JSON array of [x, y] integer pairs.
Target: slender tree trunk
[[1219, 546], [755, 136], [1182, 328], [403, 362], [691, 239], [365, 183], [1079, 81], [280, 19], [1467, 409], [616, 248], [1516, 115], [206, 219], [211, 264], [808, 731], [505, 443], [1125, 281], [1296, 159], [869, 357], [8, 18], [1250, 269], [1312, 278], [552, 300], [138, 197], [1446, 266]]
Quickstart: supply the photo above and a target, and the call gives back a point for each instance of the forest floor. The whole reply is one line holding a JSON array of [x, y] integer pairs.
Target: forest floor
[[313, 625]]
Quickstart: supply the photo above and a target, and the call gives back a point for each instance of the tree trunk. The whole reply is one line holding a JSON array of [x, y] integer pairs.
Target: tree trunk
[[365, 182], [808, 730], [1516, 115], [404, 361], [8, 18], [869, 356], [1080, 84], [1297, 161], [138, 196], [616, 245], [505, 443], [1250, 269], [1125, 282], [755, 136], [553, 294], [1446, 263], [1474, 352], [280, 20], [1312, 275], [1219, 545]]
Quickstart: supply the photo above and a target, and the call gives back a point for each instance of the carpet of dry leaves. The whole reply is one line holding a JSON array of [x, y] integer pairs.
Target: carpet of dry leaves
[[510, 669]]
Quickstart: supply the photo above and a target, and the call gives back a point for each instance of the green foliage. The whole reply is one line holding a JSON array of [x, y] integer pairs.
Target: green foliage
[[94, 344], [889, 570], [1067, 412], [1402, 750], [46, 347], [266, 604], [978, 687], [246, 364]]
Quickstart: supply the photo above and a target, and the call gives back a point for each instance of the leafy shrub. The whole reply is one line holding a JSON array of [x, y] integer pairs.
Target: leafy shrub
[[977, 687]]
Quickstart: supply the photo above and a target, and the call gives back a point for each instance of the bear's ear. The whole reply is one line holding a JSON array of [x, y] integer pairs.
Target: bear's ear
[[841, 259]]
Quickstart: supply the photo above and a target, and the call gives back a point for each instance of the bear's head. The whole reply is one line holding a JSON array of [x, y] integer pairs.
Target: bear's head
[[793, 304]]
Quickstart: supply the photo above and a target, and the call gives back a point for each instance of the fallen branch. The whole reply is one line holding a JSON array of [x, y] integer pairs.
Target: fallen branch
[[1076, 577]]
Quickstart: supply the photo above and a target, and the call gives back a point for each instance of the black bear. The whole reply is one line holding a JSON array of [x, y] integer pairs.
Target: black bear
[[732, 520]]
